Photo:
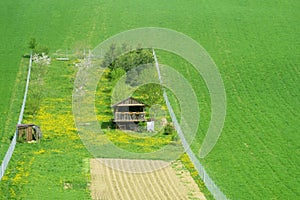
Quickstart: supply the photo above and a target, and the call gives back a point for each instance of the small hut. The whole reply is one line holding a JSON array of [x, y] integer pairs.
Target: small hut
[[29, 132], [128, 113]]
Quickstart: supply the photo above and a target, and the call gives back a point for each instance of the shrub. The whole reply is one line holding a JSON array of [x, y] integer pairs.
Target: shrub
[[169, 129]]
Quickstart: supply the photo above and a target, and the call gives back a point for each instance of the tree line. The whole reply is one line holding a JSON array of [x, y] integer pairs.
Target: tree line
[[120, 60]]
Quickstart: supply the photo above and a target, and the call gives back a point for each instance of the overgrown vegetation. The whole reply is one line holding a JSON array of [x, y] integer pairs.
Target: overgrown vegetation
[[36, 92]]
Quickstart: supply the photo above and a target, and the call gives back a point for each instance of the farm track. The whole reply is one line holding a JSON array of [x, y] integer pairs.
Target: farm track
[[164, 183]]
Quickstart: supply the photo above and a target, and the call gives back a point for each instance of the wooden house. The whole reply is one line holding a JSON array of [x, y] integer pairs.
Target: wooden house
[[128, 113], [28, 132]]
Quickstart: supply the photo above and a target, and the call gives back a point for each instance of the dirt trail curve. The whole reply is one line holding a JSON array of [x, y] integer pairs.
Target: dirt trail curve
[[170, 182]]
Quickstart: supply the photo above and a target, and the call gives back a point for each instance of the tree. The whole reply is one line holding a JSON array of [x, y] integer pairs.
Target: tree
[[110, 57], [132, 78], [37, 48], [32, 43], [114, 59]]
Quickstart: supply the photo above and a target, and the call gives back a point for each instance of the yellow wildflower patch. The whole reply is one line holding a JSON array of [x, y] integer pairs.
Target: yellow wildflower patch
[[57, 124], [39, 152], [22, 171], [17, 178], [132, 142]]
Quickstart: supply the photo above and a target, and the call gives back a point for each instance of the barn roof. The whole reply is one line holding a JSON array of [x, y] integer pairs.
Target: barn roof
[[129, 102]]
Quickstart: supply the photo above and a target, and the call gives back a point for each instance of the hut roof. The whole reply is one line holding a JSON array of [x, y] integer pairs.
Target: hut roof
[[129, 102], [26, 125]]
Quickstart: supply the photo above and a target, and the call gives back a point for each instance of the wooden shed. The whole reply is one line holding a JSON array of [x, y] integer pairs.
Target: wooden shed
[[128, 113], [28, 132]]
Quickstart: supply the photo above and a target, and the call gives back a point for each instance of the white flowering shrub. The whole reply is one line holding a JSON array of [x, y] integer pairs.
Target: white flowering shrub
[[41, 60]]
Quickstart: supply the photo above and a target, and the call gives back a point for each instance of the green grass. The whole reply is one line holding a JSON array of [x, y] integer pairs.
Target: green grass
[[253, 43], [10, 118], [56, 167], [255, 141]]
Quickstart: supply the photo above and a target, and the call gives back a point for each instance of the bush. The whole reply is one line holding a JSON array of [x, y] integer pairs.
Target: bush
[[116, 74], [37, 48], [41, 49], [142, 127], [169, 129]]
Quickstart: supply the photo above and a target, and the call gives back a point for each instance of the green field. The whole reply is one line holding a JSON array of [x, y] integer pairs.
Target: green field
[[255, 45]]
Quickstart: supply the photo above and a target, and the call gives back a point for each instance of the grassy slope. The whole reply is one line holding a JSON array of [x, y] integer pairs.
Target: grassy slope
[[254, 45], [257, 57], [14, 106], [262, 84], [9, 67]]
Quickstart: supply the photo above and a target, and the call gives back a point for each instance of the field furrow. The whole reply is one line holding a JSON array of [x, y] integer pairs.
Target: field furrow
[[120, 183], [159, 184], [162, 177], [145, 178], [156, 185], [111, 180], [135, 185]]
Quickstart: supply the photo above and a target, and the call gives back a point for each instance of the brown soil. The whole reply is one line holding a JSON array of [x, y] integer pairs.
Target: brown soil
[[170, 182]]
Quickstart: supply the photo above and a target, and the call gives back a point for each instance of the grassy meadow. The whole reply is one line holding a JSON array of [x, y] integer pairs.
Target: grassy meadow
[[255, 45], [58, 166]]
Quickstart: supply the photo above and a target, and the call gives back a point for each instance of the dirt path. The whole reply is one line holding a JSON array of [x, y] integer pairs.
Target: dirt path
[[171, 182]]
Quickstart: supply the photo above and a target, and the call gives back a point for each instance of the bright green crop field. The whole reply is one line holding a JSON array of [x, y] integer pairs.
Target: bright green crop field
[[255, 45]]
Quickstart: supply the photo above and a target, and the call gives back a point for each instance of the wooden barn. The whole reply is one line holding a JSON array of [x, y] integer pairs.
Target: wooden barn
[[29, 132], [128, 113]]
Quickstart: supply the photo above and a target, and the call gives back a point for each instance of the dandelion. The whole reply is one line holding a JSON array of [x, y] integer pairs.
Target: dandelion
[[40, 152]]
